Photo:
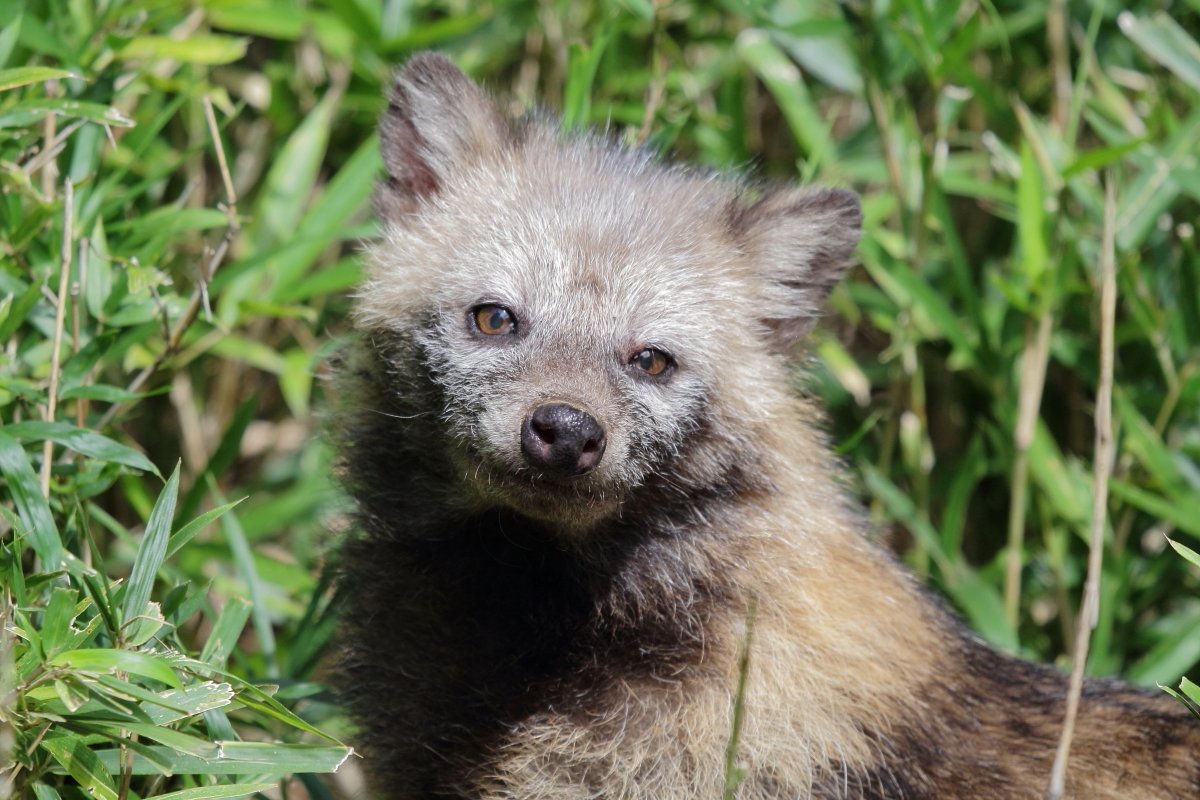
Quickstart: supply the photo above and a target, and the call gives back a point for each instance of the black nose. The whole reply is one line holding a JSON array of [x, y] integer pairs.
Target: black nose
[[562, 438]]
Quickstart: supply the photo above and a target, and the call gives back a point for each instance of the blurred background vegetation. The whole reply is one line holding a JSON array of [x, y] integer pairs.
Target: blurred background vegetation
[[183, 188]]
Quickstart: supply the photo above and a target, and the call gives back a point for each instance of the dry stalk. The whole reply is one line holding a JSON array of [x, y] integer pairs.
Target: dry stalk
[[50, 150], [60, 318], [657, 89], [48, 165], [199, 294], [1056, 35], [1033, 379], [1102, 465], [77, 291], [883, 119]]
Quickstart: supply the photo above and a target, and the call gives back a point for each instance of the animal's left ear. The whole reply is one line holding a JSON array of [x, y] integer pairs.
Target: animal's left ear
[[801, 242]]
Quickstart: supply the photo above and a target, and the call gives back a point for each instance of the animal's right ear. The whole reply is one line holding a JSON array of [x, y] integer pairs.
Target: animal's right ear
[[437, 120], [801, 241]]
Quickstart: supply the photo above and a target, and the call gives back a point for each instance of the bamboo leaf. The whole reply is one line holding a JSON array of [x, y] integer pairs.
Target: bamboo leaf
[[217, 792], [152, 551], [187, 532], [1031, 217], [72, 109], [22, 76], [584, 61], [81, 440], [293, 172], [111, 660], [210, 49], [82, 764], [32, 507], [225, 632], [1164, 40], [240, 758], [1188, 553], [787, 86]]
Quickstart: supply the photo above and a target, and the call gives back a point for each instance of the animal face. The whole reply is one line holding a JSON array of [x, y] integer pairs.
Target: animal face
[[582, 309]]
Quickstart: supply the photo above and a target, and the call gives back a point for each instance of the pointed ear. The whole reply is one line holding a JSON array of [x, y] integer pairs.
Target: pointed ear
[[437, 120], [801, 242]]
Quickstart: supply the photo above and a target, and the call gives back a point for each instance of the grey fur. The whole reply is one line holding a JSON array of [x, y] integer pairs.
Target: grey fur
[[510, 634]]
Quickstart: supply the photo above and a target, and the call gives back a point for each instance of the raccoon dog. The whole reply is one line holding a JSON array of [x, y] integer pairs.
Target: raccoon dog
[[581, 469]]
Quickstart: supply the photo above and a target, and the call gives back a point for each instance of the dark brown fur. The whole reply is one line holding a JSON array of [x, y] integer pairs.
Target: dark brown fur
[[510, 635]]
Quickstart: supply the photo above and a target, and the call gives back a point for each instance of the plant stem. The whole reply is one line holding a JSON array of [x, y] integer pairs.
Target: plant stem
[[1102, 463], [1033, 379], [60, 317]]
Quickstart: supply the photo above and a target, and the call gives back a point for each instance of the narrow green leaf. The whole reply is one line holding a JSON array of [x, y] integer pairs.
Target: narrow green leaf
[[157, 701], [845, 370], [1171, 655], [583, 63], [83, 765], [978, 599], [81, 440], [43, 792], [73, 109], [110, 660], [287, 22], [783, 79], [1188, 702], [1141, 441], [187, 532], [225, 632], [19, 310], [56, 620], [216, 722], [102, 392], [1142, 203], [1063, 484], [293, 173], [217, 792], [191, 700], [932, 316], [152, 550], [295, 382], [178, 741], [143, 628], [240, 758], [1188, 553], [248, 351], [1190, 689], [1183, 512], [196, 49], [243, 557], [1031, 217], [97, 590], [1165, 40], [326, 220], [1101, 157], [32, 507], [826, 56], [97, 265], [225, 455], [71, 694], [22, 76], [333, 279]]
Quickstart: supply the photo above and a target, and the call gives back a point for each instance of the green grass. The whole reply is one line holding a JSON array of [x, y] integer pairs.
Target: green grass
[[167, 587]]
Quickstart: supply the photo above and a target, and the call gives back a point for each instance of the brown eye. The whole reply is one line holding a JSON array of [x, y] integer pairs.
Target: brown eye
[[494, 320], [654, 363]]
